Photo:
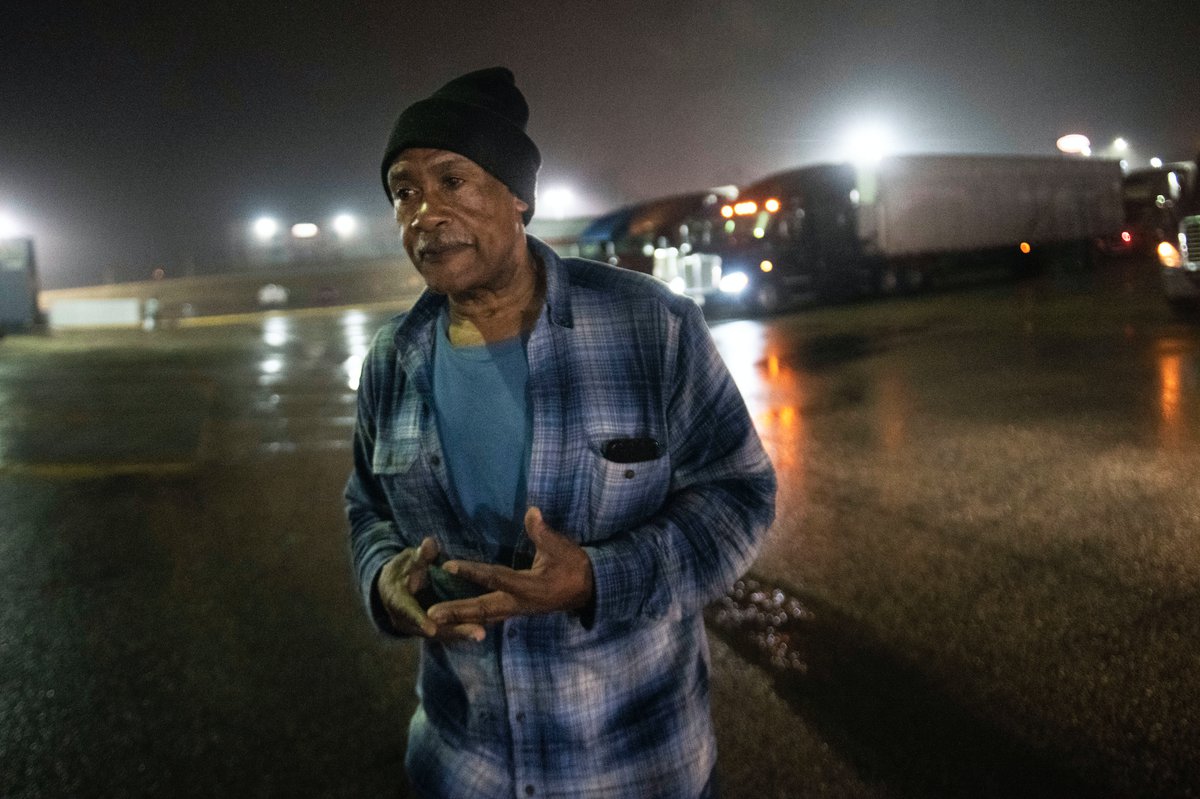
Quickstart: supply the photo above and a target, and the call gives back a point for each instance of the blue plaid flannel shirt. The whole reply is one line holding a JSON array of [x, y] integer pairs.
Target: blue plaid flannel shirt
[[615, 704]]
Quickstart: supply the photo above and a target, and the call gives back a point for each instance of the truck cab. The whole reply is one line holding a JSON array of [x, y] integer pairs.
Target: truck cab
[[631, 236], [1179, 259], [788, 237], [1153, 200]]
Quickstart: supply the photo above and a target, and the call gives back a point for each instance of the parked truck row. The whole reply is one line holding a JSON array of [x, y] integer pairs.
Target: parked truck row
[[833, 231]]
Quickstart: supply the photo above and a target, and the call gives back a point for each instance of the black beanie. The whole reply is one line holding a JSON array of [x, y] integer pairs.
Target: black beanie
[[481, 115]]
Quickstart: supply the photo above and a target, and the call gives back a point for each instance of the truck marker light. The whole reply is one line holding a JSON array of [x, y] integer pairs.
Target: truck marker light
[[772, 205], [766, 266], [746, 208], [1025, 248], [1168, 256], [726, 211]]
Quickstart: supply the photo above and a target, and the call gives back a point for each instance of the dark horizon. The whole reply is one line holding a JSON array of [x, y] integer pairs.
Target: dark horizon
[[137, 136]]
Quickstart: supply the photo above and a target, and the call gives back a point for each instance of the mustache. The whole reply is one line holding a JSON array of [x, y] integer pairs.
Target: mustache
[[437, 244]]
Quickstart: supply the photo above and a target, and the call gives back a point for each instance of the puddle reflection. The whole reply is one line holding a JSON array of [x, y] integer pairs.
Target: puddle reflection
[[277, 331], [773, 390], [353, 369], [1176, 375], [357, 331], [272, 365]]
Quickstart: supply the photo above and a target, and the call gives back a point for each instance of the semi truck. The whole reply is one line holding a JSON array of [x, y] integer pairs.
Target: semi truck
[[629, 236], [18, 285], [1180, 258], [832, 231]]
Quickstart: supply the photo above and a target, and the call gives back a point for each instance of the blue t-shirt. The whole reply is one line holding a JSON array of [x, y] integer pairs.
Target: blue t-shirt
[[479, 396]]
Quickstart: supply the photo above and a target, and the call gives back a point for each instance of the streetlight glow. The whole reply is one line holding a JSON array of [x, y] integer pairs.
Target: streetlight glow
[[557, 201], [1120, 145], [305, 230], [870, 144], [345, 225], [9, 229], [265, 228], [1075, 144], [1156, 162]]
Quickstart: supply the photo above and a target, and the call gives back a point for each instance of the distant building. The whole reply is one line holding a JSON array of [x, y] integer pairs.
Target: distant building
[[18, 285]]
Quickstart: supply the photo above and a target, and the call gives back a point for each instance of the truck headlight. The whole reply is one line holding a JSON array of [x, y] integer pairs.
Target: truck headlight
[[1168, 256], [734, 283]]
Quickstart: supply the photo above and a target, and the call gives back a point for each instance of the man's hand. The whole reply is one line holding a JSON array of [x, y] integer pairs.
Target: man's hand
[[400, 579], [559, 580]]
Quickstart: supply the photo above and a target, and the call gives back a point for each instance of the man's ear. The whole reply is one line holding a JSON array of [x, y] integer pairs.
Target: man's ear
[[520, 205]]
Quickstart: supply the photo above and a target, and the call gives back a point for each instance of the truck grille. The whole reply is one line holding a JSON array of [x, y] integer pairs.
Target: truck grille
[[1190, 231], [693, 273]]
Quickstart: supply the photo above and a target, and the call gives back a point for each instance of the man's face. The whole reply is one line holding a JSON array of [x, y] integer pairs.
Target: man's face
[[461, 226]]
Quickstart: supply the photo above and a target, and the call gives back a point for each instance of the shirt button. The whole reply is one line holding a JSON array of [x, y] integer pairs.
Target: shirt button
[[435, 460], [520, 715], [529, 791], [512, 633], [630, 474]]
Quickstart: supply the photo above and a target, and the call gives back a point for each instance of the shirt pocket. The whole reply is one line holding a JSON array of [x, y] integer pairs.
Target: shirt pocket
[[396, 451], [623, 495], [398, 441]]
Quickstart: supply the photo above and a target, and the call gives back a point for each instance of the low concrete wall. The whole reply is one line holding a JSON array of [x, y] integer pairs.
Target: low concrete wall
[[333, 284], [112, 312]]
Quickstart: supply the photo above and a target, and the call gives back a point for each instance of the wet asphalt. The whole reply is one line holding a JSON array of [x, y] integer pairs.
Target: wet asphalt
[[982, 581]]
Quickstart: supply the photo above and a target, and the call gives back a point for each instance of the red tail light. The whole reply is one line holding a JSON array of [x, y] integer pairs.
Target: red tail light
[[1126, 236]]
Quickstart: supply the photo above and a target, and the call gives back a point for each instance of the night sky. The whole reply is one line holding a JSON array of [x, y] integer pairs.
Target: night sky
[[134, 136]]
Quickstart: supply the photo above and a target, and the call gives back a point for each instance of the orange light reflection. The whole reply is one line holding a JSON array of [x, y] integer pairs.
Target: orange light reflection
[[774, 393], [1170, 372]]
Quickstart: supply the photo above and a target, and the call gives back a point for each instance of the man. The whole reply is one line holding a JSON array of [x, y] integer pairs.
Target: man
[[553, 474]]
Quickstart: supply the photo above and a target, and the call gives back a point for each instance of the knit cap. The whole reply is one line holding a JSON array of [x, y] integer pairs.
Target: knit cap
[[481, 115]]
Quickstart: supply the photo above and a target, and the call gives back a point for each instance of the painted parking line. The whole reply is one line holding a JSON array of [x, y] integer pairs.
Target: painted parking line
[[84, 471], [250, 317]]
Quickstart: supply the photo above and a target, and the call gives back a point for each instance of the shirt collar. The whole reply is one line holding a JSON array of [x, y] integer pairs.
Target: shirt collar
[[429, 305], [558, 284]]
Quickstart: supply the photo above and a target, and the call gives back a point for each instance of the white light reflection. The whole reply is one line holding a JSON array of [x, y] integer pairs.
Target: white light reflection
[[358, 342], [277, 330], [353, 367], [354, 317], [272, 366]]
